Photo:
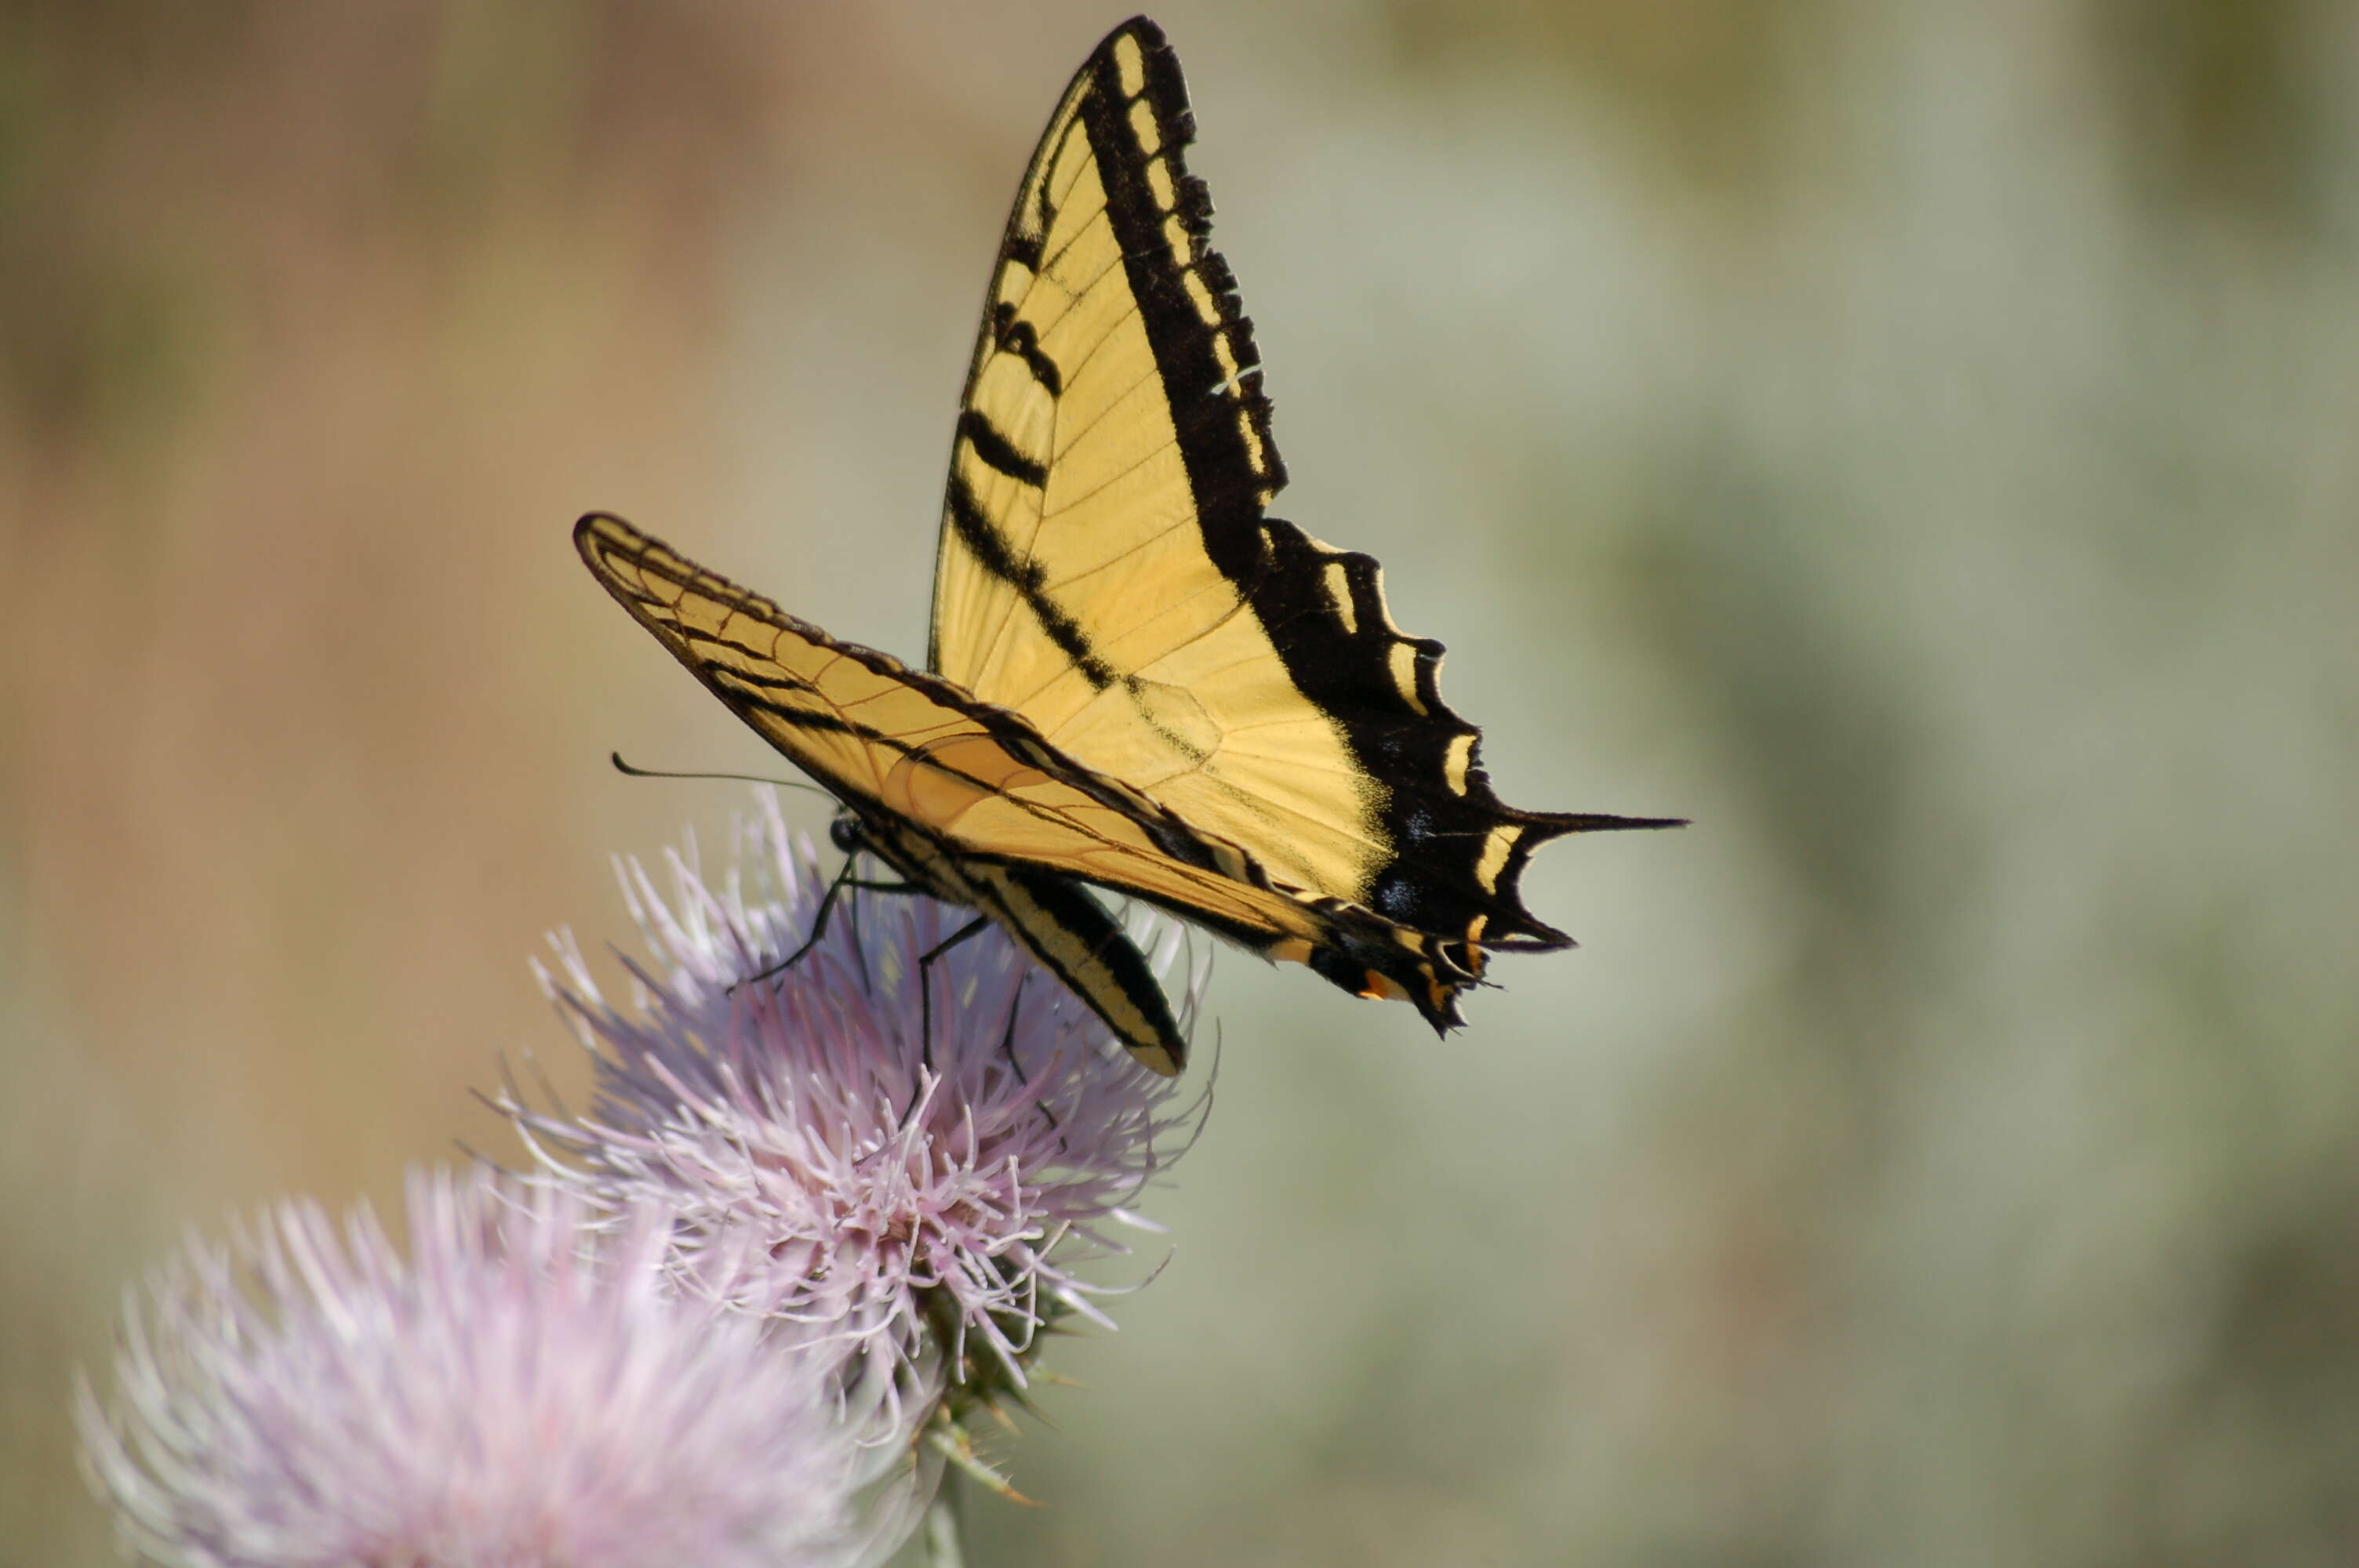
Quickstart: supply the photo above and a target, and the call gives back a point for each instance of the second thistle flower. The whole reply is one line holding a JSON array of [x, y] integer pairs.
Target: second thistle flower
[[920, 1196]]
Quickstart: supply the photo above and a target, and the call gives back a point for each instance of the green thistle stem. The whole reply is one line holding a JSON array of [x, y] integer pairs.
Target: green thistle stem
[[942, 1545]]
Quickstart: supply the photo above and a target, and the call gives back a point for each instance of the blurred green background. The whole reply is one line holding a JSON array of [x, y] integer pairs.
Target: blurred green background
[[1916, 440]]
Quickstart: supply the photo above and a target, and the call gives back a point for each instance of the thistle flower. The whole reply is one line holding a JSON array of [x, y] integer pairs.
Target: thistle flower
[[519, 1392], [833, 1167]]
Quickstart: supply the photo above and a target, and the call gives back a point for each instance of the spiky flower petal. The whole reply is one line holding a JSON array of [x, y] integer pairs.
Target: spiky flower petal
[[518, 1392]]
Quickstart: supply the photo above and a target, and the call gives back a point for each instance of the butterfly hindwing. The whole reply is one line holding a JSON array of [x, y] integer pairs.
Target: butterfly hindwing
[[1108, 569], [1064, 928]]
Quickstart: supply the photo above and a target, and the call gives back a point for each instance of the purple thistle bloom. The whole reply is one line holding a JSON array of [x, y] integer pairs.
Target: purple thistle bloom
[[834, 1168], [522, 1391]]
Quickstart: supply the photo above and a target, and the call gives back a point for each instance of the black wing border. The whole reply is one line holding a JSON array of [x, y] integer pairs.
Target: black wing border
[[1380, 684]]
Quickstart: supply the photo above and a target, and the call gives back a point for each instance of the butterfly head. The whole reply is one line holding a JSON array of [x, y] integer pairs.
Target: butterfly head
[[844, 832]]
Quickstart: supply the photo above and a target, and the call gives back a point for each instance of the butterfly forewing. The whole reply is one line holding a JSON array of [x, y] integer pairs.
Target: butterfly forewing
[[1108, 569]]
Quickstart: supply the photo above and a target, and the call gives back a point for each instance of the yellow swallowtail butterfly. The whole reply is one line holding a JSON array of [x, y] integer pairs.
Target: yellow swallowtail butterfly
[[1139, 680]]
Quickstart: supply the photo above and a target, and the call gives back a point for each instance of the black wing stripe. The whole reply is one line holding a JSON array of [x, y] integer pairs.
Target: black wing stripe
[[997, 452], [989, 549], [1021, 341]]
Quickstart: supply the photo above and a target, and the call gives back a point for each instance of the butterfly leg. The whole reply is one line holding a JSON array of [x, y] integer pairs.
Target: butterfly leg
[[1007, 1049], [843, 879], [926, 983], [851, 912]]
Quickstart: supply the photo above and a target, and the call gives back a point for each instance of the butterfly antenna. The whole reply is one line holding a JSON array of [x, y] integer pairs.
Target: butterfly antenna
[[630, 771]]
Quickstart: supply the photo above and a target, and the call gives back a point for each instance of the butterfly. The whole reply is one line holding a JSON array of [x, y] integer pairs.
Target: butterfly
[[1138, 679]]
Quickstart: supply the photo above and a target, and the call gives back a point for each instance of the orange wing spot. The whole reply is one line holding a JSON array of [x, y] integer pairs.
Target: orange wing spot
[[1382, 988]]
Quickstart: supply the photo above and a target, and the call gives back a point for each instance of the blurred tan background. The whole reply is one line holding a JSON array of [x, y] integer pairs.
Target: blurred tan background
[[1916, 440]]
